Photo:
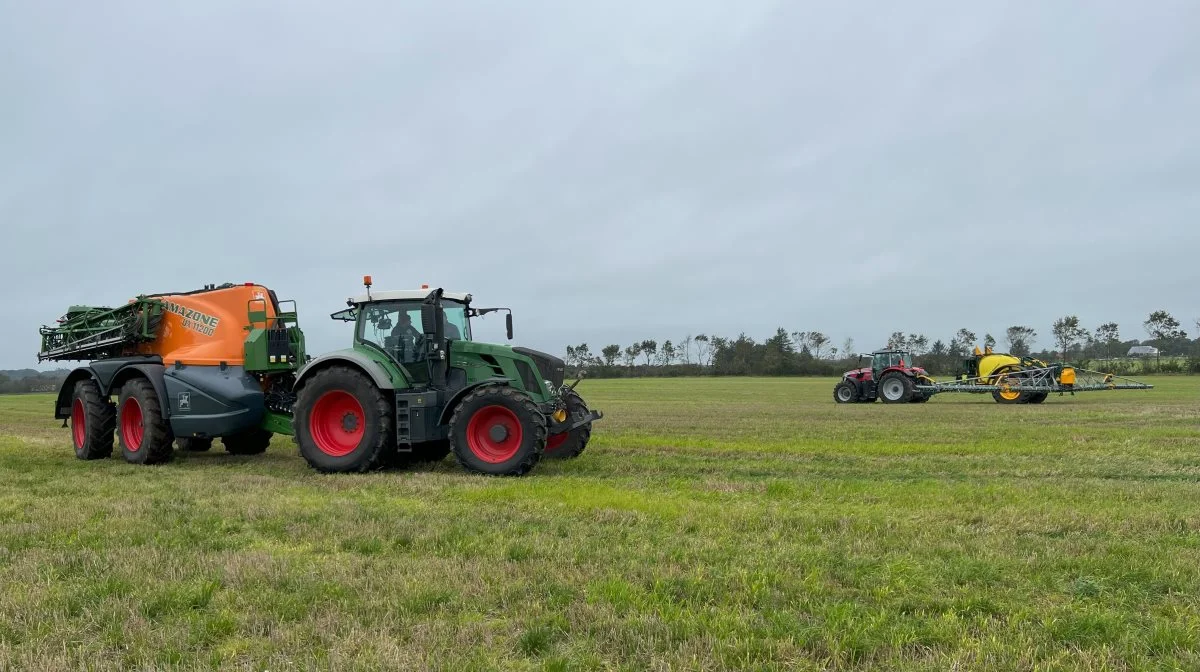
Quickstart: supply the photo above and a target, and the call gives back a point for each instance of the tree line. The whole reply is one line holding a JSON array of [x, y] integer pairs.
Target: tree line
[[814, 353], [26, 381]]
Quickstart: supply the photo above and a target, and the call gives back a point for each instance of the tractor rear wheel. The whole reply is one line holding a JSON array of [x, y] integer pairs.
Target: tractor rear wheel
[[253, 442], [93, 420], [144, 435], [344, 422], [570, 444], [896, 388], [497, 430], [845, 392], [193, 444]]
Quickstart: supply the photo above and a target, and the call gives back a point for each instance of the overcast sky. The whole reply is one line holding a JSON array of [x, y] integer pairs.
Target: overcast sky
[[611, 169]]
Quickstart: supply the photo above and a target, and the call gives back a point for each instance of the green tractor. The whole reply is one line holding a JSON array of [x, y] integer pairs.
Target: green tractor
[[416, 387]]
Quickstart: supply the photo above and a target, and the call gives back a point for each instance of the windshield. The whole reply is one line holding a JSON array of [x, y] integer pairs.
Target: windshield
[[884, 360], [396, 326]]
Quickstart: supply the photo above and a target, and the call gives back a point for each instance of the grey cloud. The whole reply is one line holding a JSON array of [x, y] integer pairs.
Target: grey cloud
[[612, 170]]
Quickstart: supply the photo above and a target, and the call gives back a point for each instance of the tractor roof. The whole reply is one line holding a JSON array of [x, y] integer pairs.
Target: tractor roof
[[409, 295]]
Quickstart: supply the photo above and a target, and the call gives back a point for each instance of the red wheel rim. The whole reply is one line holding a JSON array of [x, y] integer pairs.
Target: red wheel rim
[[494, 434], [79, 423], [337, 423], [132, 430], [556, 441]]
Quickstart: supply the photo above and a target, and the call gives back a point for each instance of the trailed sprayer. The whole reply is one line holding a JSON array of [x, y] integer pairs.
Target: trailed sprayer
[[185, 368]]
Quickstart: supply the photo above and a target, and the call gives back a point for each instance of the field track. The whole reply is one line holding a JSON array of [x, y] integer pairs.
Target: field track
[[712, 524]]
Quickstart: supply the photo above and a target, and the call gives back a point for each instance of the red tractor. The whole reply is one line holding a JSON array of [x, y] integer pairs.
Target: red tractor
[[892, 376]]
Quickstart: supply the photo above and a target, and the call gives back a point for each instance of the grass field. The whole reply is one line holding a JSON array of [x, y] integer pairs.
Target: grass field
[[712, 524]]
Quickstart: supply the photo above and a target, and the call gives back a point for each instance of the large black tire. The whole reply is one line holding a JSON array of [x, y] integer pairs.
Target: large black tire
[[93, 421], [570, 444], [344, 423], [1038, 397], [193, 444], [253, 442], [497, 430], [896, 388], [1010, 397], [845, 392], [143, 433], [920, 398]]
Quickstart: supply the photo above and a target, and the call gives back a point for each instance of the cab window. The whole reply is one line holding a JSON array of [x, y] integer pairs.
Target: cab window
[[395, 327]]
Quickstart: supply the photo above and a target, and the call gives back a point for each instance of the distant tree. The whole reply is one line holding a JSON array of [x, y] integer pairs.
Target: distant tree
[[800, 339], [848, 347], [1106, 342], [918, 343], [685, 349], [963, 342], [817, 342], [610, 354], [703, 349], [1162, 326], [1108, 333], [1020, 340], [579, 356], [666, 355], [1068, 333], [897, 341], [988, 341], [938, 349], [649, 349], [719, 344], [631, 354]]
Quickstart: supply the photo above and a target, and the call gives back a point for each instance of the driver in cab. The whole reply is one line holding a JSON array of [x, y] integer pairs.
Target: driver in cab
[[406, 338]]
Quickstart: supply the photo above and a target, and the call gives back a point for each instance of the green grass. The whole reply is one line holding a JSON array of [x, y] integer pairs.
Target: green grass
[[712, 524]]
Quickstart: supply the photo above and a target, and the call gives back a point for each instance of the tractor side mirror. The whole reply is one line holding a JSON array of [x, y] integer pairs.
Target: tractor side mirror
[[508, 325], [433, 322]]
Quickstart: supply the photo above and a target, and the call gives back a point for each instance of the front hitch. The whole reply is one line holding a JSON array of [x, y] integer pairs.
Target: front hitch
[[563, 428]]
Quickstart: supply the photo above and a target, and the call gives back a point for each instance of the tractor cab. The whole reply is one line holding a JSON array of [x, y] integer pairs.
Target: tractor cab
[[887, 359]]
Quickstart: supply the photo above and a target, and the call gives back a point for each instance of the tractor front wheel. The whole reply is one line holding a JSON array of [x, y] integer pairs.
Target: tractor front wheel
[[144, 435], [570, 444], [896, 388], [845, 392], [344, 422], [93, 419], [499, 431]]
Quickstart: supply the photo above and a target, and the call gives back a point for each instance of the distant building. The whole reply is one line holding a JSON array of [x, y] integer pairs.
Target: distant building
[[1143, 351]]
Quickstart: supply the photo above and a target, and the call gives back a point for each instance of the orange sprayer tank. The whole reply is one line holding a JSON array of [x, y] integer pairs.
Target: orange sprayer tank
[[207, 327]]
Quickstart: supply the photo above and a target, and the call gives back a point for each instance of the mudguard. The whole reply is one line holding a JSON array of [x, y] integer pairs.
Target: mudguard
[[354, 358], [110, 375], [62, 405]]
